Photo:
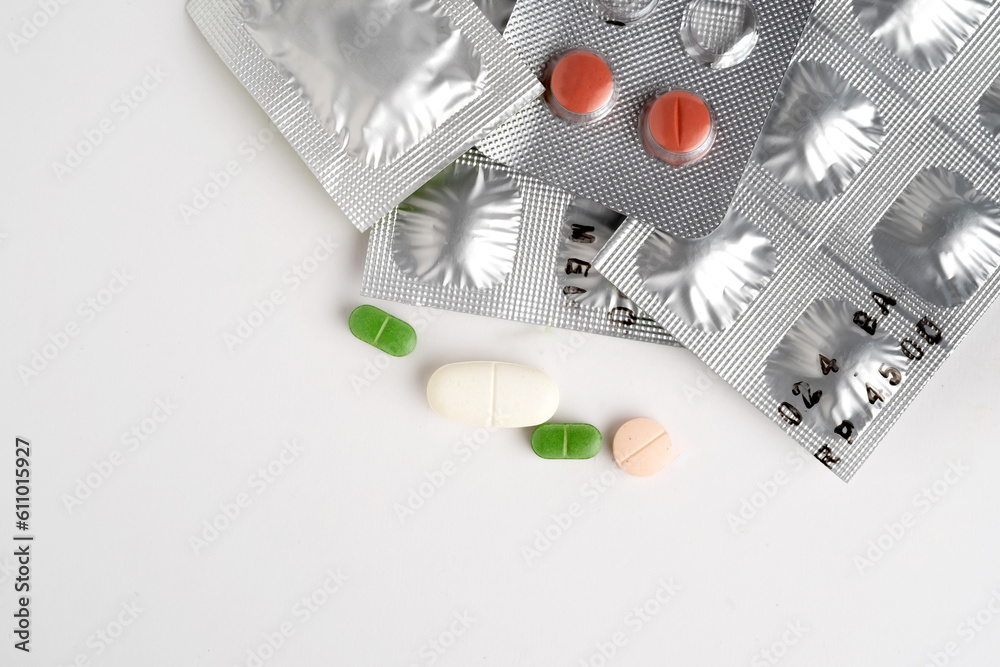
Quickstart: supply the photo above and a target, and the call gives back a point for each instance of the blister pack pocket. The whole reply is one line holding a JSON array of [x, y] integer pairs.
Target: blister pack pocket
[[376, 96]]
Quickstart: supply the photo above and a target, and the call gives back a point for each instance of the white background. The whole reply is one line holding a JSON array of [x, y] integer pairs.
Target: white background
[[475, 547]]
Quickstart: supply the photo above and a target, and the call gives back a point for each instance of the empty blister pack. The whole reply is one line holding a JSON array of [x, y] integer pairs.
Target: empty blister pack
[[376, 96], [652, 108], [481, 238], [863, 242]]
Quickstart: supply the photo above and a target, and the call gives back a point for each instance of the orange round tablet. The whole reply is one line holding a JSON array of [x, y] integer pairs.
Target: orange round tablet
[[678, 127], [581, 85]]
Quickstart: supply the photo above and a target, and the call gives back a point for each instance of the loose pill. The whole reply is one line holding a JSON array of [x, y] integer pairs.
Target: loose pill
[[678, 127], [380, 329], [566, 441], [492, 394], [581, 86], [642, 447]]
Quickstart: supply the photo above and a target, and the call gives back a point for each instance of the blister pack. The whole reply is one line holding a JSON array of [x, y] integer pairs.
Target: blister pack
[[376, 96], [652, 107], [481, 238], [863, 241]]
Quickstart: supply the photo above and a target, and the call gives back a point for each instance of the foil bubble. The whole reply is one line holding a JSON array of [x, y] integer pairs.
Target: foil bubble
[[989, 109], [831, 374], [924, 34], [381, 75], [940, 238], [625, 11], [460, 229], [820, 132], [586, 227], [719, 33], [708, 282]]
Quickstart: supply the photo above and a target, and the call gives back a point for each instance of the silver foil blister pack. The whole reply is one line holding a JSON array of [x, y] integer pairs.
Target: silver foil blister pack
[[863, 242], [376, 96], [729, 54], [482, 238]]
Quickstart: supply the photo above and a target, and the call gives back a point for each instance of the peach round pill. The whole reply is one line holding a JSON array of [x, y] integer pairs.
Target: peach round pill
[[642, 447], [678, 127], [493, 394], [581, 85]]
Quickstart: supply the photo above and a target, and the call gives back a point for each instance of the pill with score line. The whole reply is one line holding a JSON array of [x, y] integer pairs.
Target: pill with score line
[[642, 447], [678, 127], [492, 394], [383, 331], [566, 441]]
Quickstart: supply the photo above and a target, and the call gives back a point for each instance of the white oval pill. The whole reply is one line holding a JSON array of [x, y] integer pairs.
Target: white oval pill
[[493, 394]]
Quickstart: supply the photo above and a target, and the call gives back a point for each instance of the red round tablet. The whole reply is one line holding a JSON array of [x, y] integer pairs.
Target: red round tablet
[[581, 85], [679, 127]]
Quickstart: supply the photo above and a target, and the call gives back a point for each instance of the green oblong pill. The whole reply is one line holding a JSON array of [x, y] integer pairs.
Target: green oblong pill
[[380, 329], [566, 441]]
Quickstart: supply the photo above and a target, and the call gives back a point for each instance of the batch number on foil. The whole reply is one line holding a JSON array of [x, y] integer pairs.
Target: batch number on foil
[[836, 368]]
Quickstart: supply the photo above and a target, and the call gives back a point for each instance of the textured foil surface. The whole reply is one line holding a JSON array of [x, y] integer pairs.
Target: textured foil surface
[[940, 238], [605, 160], [924, 34], [375, 108], [497, 11], [625, 11], [376, 96], [884, 230], [989, 109], [482, 238]]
